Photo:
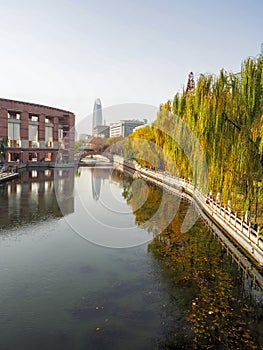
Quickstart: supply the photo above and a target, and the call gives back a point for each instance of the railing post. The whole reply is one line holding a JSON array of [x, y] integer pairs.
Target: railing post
[[258, 235], [249, 229], [235, 219], [242, 224]]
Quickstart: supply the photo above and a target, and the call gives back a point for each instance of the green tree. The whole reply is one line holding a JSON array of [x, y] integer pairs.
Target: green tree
[[3, 148], [225, 113]]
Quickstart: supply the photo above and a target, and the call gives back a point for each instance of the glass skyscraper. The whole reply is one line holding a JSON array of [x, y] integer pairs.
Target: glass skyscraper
[[97, 114]]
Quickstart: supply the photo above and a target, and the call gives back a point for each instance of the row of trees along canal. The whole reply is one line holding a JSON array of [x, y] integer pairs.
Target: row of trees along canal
[[225, 113]]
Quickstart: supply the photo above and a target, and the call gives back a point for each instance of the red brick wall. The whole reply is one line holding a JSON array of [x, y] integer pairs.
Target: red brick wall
[[25, 108], [55, 129], [3, 122], [41, 127], [24, 126]]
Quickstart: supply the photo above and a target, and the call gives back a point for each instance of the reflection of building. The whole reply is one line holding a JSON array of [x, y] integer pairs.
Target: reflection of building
[[64, 180], [96, 185], [97, 114], [97, 175], [36, 132], [33, 198], [125, 127]]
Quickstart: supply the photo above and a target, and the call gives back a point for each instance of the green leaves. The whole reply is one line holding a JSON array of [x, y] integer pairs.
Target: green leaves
[[3, 148], [225, 113]]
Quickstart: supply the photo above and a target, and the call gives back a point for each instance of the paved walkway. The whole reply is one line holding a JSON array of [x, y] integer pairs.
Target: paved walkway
[[243, 234]]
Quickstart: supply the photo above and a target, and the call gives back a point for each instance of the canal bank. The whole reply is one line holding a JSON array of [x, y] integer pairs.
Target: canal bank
[[241, 234], [13, 172], [8, 173], [47, 165], [5, 176]]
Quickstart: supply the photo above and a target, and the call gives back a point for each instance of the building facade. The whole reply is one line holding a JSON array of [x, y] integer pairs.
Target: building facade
[[125, 127], [97, 114], [102, 131], [35, 133], [84, 137]]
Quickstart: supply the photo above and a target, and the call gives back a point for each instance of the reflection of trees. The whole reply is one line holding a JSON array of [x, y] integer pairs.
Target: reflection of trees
[[153, 208], [143, 213], [125, 181], [218, 312], [193, 262]]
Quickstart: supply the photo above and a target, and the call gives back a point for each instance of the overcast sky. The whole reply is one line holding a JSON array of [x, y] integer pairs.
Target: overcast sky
[[68, 53]]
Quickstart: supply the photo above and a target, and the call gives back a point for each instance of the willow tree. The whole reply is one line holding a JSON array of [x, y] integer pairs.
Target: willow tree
[[225, 113]]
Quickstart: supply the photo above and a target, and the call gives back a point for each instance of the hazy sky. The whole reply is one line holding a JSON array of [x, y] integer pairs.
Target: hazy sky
[[68, 53]]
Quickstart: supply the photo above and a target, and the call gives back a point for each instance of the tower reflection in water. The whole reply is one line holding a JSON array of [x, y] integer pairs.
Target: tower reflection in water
[[33, 197], [98, 175]]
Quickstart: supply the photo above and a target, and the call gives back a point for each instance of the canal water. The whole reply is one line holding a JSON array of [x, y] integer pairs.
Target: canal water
[[92, 259]]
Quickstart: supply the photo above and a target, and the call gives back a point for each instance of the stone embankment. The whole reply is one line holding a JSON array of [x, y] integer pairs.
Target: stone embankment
[[241, 233], [7, 176]]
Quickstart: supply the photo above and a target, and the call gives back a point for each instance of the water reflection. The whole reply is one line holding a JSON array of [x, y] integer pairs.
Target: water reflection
[[97, 176], [63, 293], [32, 197], [106, 219], [222, 311]]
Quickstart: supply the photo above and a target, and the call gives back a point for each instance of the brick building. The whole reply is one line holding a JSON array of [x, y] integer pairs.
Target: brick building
[[35, 132]]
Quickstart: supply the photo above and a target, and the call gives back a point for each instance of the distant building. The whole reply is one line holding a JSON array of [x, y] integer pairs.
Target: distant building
[[101, 131], [84, 137], [97, 114], [261, 49], [125, 127]]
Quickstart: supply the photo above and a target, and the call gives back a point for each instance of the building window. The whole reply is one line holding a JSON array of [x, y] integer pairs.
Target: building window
[[49, 136], [14, 134], [48, 157], [14, 115], [13, 157], [32, 157], [33, 118], [48, 120], [60, 136], [33, 136]]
